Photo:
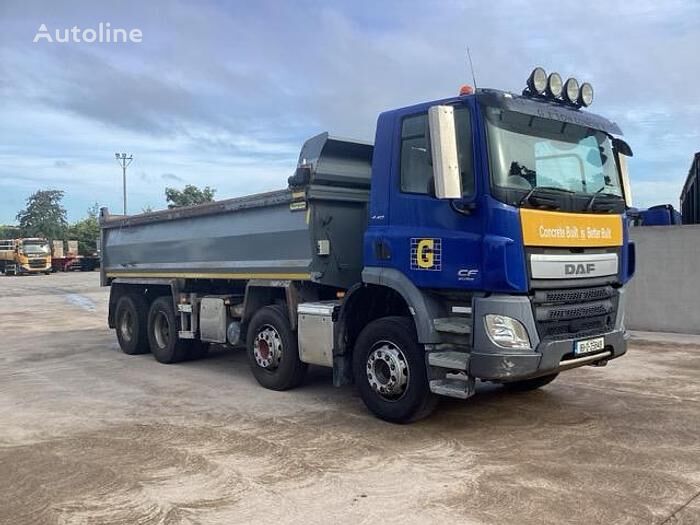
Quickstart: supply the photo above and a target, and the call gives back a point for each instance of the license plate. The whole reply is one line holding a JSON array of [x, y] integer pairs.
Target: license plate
[[589, 345]]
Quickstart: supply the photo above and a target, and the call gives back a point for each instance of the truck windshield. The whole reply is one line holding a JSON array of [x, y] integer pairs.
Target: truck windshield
[[35, 247], [532, 153]]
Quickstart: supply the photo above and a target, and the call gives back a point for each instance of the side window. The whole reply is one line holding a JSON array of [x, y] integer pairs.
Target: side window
[[416, 171], [463, 124], [415, 168]]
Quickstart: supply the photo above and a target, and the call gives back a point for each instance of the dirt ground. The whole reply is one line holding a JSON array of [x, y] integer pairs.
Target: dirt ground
[[90, 435]]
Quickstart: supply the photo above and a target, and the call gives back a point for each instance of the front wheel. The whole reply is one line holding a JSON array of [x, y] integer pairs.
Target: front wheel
[[390, 373], [273, 353], [530, 384]]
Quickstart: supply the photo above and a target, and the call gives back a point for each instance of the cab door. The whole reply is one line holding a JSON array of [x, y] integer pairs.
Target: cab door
[[436, 243]]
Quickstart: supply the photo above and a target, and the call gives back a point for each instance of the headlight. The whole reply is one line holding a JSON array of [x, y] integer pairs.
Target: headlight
[[571, 90], [537, 82], [506, 332], [585, 98], [554, 85]]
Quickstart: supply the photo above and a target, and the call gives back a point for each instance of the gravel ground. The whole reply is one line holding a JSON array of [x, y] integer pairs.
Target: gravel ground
[[90, 435]]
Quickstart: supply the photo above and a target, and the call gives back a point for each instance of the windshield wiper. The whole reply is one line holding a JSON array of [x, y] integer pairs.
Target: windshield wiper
[[591, 201], [529, 194]]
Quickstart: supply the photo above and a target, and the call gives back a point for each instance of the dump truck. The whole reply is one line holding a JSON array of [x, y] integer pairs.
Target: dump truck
[[25, 256], [479, 238]]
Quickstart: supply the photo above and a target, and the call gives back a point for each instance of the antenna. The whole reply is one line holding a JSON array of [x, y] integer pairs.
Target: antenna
[[471, 66]]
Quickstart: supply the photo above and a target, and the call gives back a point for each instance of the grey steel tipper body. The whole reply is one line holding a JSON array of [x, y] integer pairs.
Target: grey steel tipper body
[[311, 231]]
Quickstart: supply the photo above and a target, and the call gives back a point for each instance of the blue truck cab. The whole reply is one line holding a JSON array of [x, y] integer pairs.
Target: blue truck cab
[[521, 274]]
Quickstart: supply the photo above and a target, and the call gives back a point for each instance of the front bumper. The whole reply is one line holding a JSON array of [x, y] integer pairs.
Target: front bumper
[[490, 362], [27, 269], [548, 358]]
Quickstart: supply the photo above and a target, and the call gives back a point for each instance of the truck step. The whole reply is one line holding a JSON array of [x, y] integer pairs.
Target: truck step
[[451, 360], [453, 325], [459, 388]]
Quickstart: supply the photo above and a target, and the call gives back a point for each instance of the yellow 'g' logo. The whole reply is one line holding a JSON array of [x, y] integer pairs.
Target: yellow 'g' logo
[[426, 254]]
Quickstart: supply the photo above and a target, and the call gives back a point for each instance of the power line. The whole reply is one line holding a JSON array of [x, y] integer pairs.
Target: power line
[[124, 162]]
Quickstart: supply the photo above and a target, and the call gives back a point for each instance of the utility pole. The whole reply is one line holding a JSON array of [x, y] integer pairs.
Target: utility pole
[[124, 162]]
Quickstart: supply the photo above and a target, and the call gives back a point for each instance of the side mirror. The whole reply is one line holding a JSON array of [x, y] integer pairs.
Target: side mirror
[[622, 151], [443, 148], [622, 147]]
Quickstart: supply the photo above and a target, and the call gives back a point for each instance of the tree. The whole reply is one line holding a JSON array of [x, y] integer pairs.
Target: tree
[[86, 231], [7, 231], [44, 215], [189, 196]]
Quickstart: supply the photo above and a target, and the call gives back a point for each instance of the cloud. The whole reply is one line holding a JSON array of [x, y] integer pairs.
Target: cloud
[[224, 94], [171, 177]]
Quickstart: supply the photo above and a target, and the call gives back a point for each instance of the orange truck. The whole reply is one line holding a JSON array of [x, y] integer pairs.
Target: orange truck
[[25, 256]]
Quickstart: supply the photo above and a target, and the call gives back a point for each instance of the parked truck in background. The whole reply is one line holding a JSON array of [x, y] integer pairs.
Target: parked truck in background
[[481, 237], [67, 257], [659, 215], [25, 256]]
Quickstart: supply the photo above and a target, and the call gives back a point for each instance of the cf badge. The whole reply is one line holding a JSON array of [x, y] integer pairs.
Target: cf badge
[[426, 254]]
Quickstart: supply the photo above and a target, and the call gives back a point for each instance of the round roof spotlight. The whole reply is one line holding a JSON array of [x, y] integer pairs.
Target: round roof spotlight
[[537, 82], [571, 91], [585, 98], [554, 85]]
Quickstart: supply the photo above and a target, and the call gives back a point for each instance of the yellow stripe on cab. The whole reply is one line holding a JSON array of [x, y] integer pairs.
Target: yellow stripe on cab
[[582, 230]]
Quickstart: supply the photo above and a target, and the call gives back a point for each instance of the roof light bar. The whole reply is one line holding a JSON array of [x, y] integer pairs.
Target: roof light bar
[[553, 88]]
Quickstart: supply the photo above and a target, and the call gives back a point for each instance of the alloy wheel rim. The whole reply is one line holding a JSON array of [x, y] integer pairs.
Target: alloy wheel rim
[[267, 347], [161, 330], [126, 325], [387, 370]]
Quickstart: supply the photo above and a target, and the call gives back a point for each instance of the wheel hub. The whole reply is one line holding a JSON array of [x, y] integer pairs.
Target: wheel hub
[[161, 330], [126, 326], [267, 348], [387, 370]]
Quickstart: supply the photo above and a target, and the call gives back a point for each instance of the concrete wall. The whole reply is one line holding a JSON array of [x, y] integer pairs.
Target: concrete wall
[[665, 292]]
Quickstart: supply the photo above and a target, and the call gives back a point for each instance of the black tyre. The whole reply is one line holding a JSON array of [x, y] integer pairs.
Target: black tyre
[[131, 321], [272, 350], [530, 384], [162, 333], [390, 373]]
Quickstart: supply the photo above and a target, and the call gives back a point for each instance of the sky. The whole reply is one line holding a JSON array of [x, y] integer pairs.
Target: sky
[[223, 94]]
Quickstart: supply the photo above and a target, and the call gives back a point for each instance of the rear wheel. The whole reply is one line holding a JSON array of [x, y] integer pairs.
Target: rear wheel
[[131, 319], [530, 384], [162, 333], [390, 373], [272, 348]]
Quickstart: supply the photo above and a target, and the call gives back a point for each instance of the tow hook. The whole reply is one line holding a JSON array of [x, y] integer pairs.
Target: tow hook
[[602, 362]]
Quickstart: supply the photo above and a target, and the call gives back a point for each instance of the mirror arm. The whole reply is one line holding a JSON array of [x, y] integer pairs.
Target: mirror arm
[[463, 208]]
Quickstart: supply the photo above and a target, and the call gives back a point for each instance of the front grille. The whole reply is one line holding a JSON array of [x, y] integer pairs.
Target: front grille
[[574, 313], [574, 295], [37, 263]]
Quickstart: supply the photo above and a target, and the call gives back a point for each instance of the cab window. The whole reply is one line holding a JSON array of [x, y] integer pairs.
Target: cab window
[[416, 170]]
